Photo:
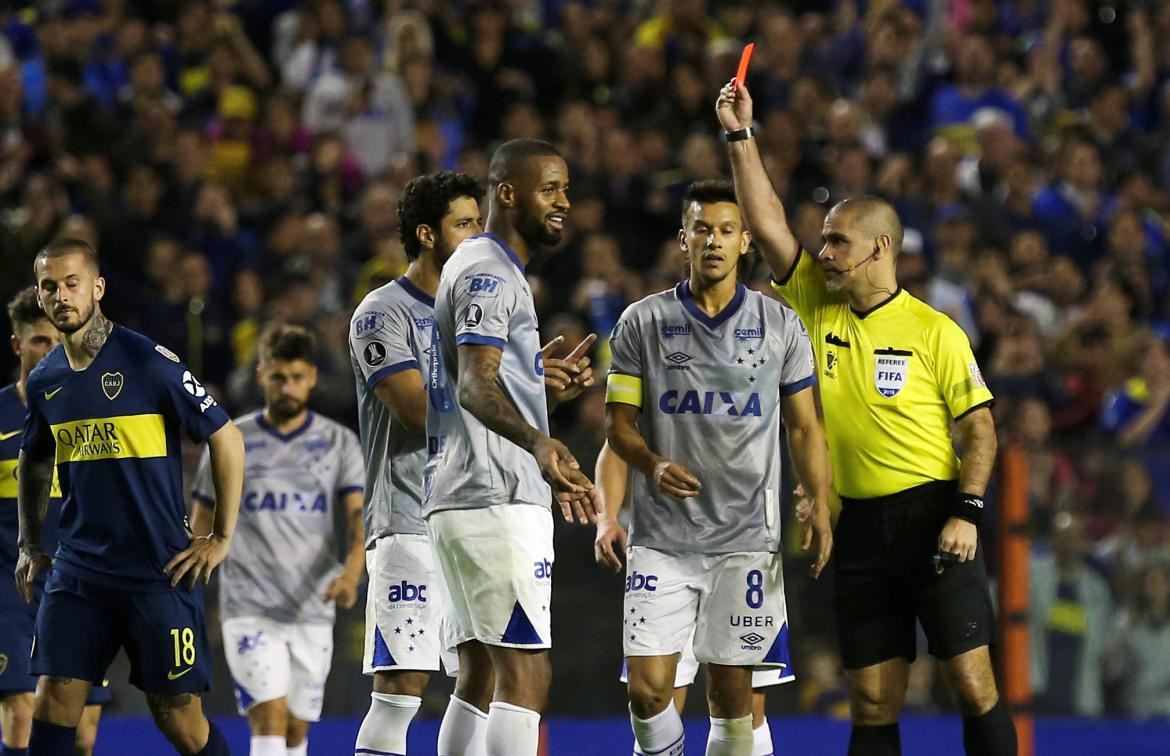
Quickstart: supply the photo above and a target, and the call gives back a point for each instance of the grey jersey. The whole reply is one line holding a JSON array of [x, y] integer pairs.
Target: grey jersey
[[390, 331], [483, 298], [285, 549], [710, 399]]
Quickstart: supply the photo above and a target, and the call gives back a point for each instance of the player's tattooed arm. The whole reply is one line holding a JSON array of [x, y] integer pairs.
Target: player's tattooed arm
[[35, 474], [95, 338], [480, 394]]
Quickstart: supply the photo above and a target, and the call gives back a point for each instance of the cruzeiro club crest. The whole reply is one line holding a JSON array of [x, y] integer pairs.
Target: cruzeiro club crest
[[890, 367], [112, 385]]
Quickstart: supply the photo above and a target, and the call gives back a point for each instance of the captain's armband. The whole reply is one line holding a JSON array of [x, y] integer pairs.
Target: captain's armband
[[624, 389]]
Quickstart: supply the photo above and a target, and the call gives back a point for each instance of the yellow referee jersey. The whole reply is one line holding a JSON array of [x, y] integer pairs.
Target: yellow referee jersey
[[891, 381]]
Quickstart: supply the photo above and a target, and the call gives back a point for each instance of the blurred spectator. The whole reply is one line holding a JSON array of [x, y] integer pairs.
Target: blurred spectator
[[974, 88], [1052, 485], [1069, 620], [1073, 211], [1141, 663], [369, 108], [1137, 411], [985, 172]]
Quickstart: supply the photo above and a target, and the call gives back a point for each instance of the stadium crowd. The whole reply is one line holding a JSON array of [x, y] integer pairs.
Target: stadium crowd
[[239, 164]]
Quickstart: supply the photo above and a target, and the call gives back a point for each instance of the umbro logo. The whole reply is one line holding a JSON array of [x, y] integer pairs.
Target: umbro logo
[[752, 639], [678, 361]]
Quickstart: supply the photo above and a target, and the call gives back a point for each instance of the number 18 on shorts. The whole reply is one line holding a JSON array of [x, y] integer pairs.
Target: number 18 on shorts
[[734, 604]]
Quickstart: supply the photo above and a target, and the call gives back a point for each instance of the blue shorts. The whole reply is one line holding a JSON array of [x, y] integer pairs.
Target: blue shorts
[[81, 626], [16, 632], [17, 620]]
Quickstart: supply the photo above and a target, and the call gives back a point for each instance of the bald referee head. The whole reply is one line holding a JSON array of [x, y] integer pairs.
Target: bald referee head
[[862, 237]]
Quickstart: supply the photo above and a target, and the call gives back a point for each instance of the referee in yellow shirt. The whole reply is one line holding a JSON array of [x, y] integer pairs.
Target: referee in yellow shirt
[[894, 374]]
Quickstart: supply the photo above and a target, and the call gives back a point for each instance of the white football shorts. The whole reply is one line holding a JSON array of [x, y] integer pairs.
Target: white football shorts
[[729, 608], [405, 606], [688, 669], [497, 567], [270, 660]]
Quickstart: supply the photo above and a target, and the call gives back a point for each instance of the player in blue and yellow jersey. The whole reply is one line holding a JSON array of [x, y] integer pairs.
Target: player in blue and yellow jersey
[[33, 336], [895, 375], [107, 406]]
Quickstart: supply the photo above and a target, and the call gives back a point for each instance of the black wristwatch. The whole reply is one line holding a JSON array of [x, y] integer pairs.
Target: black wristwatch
[[739, 136]]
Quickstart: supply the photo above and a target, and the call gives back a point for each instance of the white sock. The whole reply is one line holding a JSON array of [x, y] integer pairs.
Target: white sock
[[730, 737], [512, 730], [267, 745], [762, 740], [661, 734], [384, 728], [463, 731], [301, 750]]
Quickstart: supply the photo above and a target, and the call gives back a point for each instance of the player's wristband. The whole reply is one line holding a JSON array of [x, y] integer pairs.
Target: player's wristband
[[739, 135], [968, 507]]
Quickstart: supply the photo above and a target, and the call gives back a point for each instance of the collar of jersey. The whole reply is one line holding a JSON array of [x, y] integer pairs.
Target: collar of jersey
[[264, 425], [415, 292], [683, 291], [863, 314], [504, 246]]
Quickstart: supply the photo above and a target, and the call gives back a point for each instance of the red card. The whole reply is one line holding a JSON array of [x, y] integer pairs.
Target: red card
[[744, 59]]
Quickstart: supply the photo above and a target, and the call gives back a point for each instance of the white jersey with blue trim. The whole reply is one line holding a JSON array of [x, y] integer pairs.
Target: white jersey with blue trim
[[284, 553], [390, 332], [483, 298], [709, 389]]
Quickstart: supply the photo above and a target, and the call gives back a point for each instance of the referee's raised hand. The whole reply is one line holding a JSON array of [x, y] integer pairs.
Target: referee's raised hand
[[673, 479], [734, 107]]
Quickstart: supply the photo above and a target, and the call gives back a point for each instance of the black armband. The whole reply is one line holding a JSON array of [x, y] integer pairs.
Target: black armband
[[739, 135], [968, 507]]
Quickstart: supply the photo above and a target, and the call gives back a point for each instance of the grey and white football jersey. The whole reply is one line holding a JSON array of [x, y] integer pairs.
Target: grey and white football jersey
[[483, 298], [710, 400], [390, 331], [284, 553]]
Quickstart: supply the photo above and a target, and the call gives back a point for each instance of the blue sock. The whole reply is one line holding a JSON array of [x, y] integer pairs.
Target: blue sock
[[51, 740], [217, 744], [12, 751]]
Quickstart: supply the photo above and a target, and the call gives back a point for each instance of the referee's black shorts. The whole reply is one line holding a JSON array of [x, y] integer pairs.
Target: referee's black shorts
[[885, 580]]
